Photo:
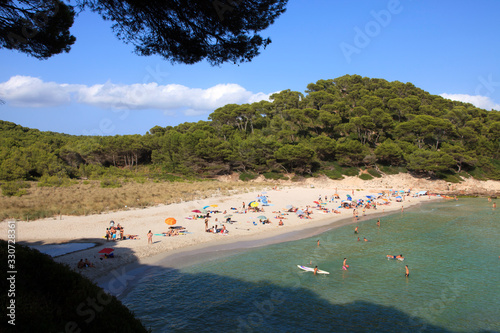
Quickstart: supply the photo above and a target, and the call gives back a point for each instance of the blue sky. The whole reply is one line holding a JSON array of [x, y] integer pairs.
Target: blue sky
[[101, 87]]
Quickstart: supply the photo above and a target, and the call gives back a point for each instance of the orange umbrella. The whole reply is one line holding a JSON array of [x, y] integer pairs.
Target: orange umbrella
[[170, 221]]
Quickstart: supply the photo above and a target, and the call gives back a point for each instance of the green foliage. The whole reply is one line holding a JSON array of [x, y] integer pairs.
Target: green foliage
[[246, 176], [366, 176], [49, 296], [391, 170], [335, 128], [374, 173], [16, 188], [274, 176], [110, 183], [450, 177], [54, 181], [333, 174]]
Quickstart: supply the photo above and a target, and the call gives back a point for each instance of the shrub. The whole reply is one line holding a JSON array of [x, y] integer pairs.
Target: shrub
[[449, 177], [351, 171], [17, 188], [392, 170], [54, 181], [110, 183], [274, 175], [374, 173], [365, 176], [246, 176], [333, 174]]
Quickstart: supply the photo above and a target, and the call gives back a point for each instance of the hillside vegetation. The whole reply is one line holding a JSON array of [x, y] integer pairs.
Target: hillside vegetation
[[46, 296], [336, 127]]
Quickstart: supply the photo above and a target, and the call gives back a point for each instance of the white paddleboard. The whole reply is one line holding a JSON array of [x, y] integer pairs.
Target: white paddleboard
[[310, 269]]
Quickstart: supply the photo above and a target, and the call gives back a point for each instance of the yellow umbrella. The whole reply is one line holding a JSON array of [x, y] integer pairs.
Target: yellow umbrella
[[214, 205], [254, 204], [170, 221]]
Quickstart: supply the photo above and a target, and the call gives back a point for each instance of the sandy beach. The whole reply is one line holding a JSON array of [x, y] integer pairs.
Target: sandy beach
[[245, 230]]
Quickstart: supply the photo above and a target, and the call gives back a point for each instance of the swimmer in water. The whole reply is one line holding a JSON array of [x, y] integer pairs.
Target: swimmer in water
[[315, 270], [344, 266], [356, 230], [407, 273]]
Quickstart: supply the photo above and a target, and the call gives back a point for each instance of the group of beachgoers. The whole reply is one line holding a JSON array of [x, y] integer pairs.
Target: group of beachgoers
[[117, 232], [83, 264], [215, 228]]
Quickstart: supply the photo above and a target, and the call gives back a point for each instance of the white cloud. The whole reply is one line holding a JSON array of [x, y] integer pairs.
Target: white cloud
[[28, 91], [483, 102]]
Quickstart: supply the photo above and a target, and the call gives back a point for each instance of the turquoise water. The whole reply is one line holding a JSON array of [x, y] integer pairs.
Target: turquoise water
[[451, 248]]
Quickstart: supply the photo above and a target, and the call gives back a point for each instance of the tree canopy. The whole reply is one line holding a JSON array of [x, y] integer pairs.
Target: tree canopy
[[347, 122], [181, 31]]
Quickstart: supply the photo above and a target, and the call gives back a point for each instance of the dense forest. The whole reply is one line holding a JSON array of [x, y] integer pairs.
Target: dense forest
[[340, 124]]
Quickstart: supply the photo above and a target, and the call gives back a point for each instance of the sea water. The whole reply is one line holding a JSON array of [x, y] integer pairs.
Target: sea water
[[451, 249]]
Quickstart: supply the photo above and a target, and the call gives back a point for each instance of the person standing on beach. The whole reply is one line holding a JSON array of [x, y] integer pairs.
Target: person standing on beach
[[407, 273], [150, 237]]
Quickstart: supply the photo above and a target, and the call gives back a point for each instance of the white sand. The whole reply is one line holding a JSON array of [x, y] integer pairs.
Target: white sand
[[140, 221]]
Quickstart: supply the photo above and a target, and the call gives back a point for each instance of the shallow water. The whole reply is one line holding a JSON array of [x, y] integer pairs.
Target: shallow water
[[451, 249], [55, 250]]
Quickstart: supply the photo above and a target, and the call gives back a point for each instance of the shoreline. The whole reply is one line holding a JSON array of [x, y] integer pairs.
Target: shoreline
[[243, 234], [192, 255]]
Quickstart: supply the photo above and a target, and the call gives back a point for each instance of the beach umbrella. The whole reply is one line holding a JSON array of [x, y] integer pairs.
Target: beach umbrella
[[316, 202], [300, 212], [106, 250], [170, 221], [398, 197], [196, 211], [206, 207], [214, 205], [254, 204], [262, 217], [289, 207], [264, 192]]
